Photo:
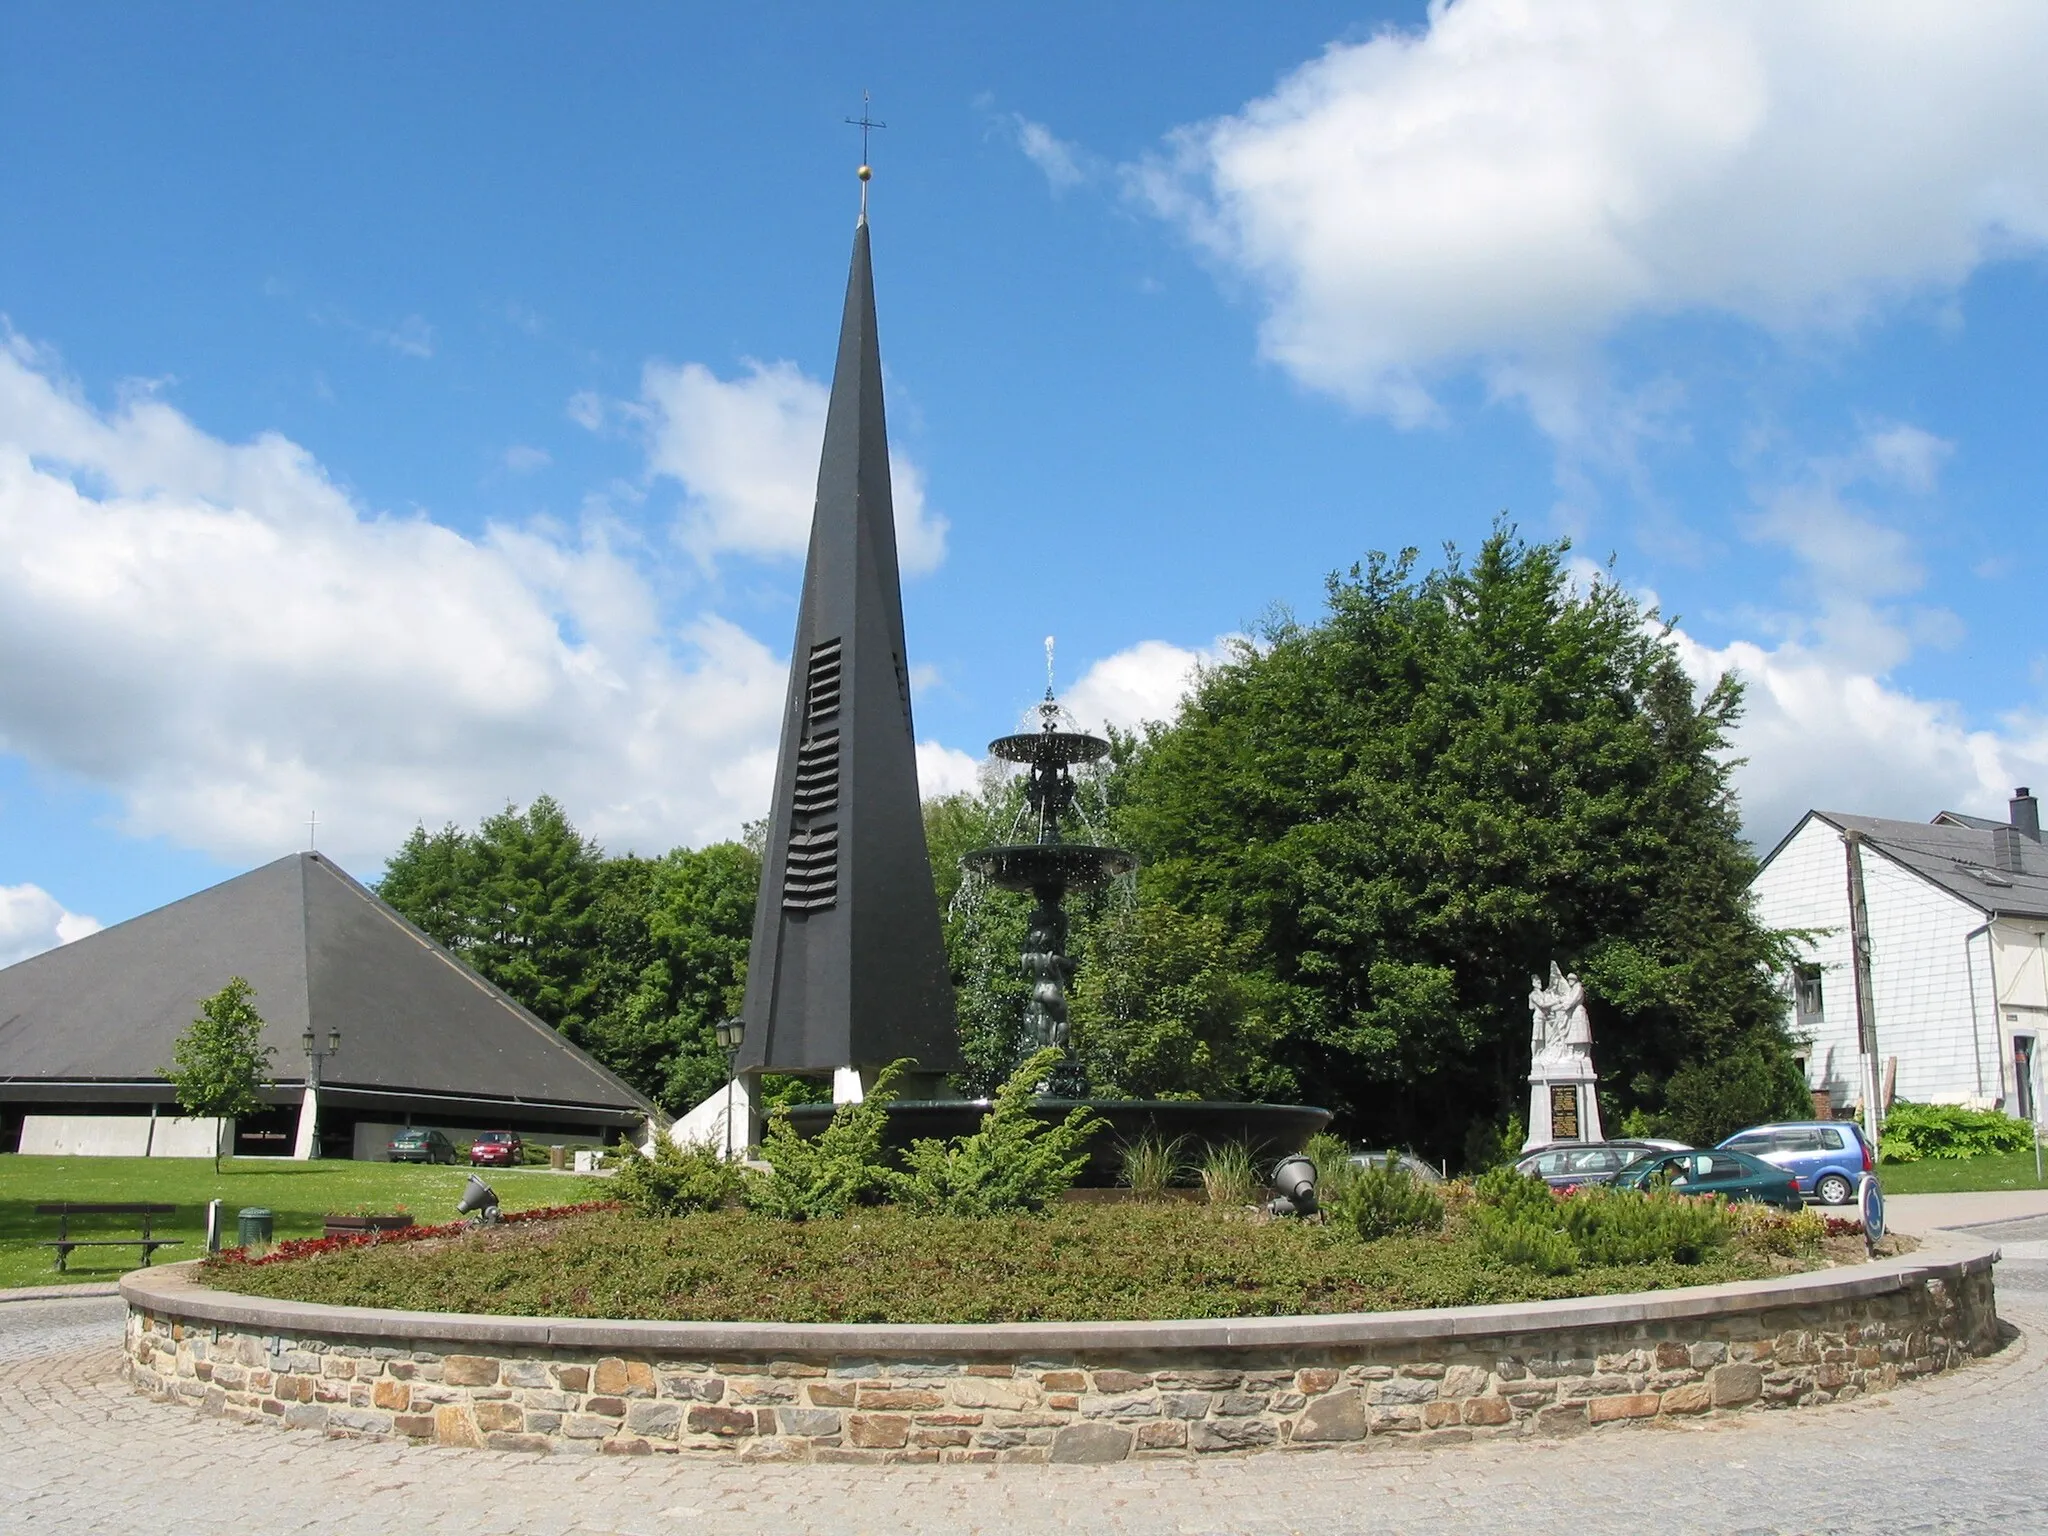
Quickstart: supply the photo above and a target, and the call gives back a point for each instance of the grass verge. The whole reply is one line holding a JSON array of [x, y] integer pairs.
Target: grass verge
[[1948, 1176], [299, 1193], [1077, 1263]]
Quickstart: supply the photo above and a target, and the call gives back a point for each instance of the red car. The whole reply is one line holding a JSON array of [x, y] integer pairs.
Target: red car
[[497, 1149]]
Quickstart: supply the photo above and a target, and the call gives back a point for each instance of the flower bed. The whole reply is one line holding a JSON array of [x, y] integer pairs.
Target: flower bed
[[294, 1249]]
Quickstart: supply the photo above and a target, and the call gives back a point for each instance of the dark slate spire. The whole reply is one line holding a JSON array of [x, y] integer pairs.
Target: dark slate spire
[[848, 967]]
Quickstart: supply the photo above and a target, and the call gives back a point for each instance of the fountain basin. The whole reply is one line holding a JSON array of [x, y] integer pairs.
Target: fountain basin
[[1270, 1130]]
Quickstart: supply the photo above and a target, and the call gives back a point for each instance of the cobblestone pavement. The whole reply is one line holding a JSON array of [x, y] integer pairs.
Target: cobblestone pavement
[[1960, 1452]]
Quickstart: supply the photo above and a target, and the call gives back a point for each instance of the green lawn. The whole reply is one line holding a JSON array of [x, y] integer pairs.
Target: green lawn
[[1943, 1176], [299, 1193]]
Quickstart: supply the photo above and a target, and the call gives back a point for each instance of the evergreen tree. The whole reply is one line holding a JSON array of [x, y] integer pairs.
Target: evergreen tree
[[1407, 809]]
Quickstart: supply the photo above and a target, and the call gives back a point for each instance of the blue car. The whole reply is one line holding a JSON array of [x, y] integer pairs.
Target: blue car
[[1827, 1157]]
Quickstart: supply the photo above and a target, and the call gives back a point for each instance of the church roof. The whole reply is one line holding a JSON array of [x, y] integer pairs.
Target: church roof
[[321, 952]]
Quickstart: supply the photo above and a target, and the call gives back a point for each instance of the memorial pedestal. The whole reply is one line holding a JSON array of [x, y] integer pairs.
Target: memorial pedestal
[[1563, 1105]]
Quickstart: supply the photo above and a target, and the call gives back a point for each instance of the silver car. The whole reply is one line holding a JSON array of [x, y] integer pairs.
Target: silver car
[[1568, 1164]]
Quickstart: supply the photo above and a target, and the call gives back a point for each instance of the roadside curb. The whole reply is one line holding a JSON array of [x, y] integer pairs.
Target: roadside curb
[[61, 1292]]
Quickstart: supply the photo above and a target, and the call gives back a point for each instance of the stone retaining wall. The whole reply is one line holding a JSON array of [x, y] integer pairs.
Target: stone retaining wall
[[1035, 1393]]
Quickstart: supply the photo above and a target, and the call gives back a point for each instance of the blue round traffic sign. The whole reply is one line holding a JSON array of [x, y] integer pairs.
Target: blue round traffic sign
[[1870, 1199]]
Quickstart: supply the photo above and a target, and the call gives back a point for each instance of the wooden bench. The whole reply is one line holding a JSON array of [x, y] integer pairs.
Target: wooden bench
[[65, 1242]]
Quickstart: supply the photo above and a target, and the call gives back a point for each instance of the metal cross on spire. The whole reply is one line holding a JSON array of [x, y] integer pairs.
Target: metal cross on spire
[[865, 123]]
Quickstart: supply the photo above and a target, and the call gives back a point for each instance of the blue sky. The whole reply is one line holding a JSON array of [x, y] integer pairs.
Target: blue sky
[[401, 415]]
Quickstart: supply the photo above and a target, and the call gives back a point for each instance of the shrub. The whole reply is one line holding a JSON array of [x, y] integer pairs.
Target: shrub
[[829, 1176], [1766, 1229], [1516, 1195], [675, 1180], [1625, 1226], [1598, 1226], [1384, 1201], [1015, 1162], [1229, 1176], [1914, 1131], [1151, 1165], [1522, 1242]]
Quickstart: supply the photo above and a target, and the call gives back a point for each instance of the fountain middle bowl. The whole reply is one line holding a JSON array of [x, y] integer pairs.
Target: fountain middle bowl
[[1033, 866], [1271, 1131]]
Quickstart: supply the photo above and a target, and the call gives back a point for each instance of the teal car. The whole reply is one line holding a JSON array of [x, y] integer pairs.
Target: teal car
[[1733, 1175]]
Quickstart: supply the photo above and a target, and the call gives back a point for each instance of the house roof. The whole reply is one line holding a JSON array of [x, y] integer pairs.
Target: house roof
[[1956, 852], [322, 953]]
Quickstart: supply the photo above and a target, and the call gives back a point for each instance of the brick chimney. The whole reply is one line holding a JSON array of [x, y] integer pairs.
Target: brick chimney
[[2026, 813]]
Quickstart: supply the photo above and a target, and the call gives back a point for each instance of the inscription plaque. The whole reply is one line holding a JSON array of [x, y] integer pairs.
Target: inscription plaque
[[1564, 1112]]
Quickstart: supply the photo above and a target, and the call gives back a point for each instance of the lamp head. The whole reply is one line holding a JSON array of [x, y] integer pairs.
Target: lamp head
[[334, 1042], [306, 1040], [477, 1196]]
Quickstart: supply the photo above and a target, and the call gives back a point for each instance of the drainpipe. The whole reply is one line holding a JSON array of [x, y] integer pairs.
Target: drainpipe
[[1866, 1003], [1970, 976]]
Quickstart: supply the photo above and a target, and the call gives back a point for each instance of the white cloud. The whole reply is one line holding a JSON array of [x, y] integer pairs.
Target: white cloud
[[32, 920], [943, 770], [1820, 733], [1508, 185], [746, 452], [1142, 683], [586, 409], [411, 337], [1063, 163], [523, 459], [218, 635]]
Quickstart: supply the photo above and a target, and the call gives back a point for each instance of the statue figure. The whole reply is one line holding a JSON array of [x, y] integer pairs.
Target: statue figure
[[1046, 963], [1560, 1032]]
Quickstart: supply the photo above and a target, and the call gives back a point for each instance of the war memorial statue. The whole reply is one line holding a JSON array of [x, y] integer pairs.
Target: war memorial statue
[[1563, 1102]]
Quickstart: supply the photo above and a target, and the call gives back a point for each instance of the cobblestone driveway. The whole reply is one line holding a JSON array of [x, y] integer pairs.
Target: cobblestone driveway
[[1967, 1451]]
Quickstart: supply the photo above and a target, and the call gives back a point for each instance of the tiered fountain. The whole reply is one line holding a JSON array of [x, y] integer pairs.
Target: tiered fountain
[[1048, 868]]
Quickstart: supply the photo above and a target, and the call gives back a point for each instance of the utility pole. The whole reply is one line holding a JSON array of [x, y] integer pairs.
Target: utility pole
[[1866, 1003]]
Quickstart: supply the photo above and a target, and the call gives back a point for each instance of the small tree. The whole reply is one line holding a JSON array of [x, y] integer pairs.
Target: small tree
[[221, 1067]]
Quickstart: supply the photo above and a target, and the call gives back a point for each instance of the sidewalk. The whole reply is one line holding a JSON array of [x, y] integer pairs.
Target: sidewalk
[[1924, 1213]]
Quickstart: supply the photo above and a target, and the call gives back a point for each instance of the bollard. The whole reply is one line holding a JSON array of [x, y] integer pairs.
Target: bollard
[[558, 1158]]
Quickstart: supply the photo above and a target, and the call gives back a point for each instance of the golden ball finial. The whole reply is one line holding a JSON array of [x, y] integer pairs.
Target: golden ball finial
[[866, 171]]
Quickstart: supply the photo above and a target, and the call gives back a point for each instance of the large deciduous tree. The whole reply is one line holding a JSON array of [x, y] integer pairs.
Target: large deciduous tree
[[1401, 812], [634, 959]]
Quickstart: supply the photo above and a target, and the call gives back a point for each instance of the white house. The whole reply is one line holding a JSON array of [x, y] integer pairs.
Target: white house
[[1957, 931]]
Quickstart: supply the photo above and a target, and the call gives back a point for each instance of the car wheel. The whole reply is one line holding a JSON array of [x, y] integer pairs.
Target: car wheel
[[1834, 1189]]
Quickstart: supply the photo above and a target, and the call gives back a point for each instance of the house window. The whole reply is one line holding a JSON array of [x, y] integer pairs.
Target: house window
[[1808, 1003]]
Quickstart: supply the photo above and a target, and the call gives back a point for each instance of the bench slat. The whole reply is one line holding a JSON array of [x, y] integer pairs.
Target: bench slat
[[66, 1208]]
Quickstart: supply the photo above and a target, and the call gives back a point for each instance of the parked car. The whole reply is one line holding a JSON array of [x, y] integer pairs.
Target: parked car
[[1735, 1175], [1568, 1164], [418, 1145], [497, 1149], [1424, 1173], [1827, 1157]]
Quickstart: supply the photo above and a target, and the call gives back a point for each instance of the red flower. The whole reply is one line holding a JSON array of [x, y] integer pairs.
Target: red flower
[[296, 1248]]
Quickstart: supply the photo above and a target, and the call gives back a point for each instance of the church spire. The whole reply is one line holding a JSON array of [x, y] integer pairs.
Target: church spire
[[848, 967]]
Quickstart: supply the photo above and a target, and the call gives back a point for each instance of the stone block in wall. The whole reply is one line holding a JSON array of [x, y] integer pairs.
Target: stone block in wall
[[1090, 1443], [469, 1371], [1485, 1410], [1694, 1397], [1734, 1384], [877, 1431], [987, 1392], [1230, 1434], [1332, 1417], [714, 1419]]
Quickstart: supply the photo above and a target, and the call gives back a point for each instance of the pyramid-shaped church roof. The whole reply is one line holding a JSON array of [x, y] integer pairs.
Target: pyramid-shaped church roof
[[97, 1018]]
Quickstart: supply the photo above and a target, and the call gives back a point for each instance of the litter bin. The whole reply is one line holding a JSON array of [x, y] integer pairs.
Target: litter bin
[[253, 1226], [558, 1158]]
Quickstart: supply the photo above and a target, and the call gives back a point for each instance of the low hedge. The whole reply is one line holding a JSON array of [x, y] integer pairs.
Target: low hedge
[[1075, 1263]]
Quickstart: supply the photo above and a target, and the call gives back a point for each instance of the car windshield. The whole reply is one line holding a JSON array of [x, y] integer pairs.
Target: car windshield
[[410, 1136], [496, 1138]]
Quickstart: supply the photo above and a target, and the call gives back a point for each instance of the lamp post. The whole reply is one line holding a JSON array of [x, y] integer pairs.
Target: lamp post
[[309, 1112], [730, 1034]]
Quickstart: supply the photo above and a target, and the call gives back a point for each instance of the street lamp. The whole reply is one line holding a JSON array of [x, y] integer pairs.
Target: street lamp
[[310, 1136], [730, 1033]]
